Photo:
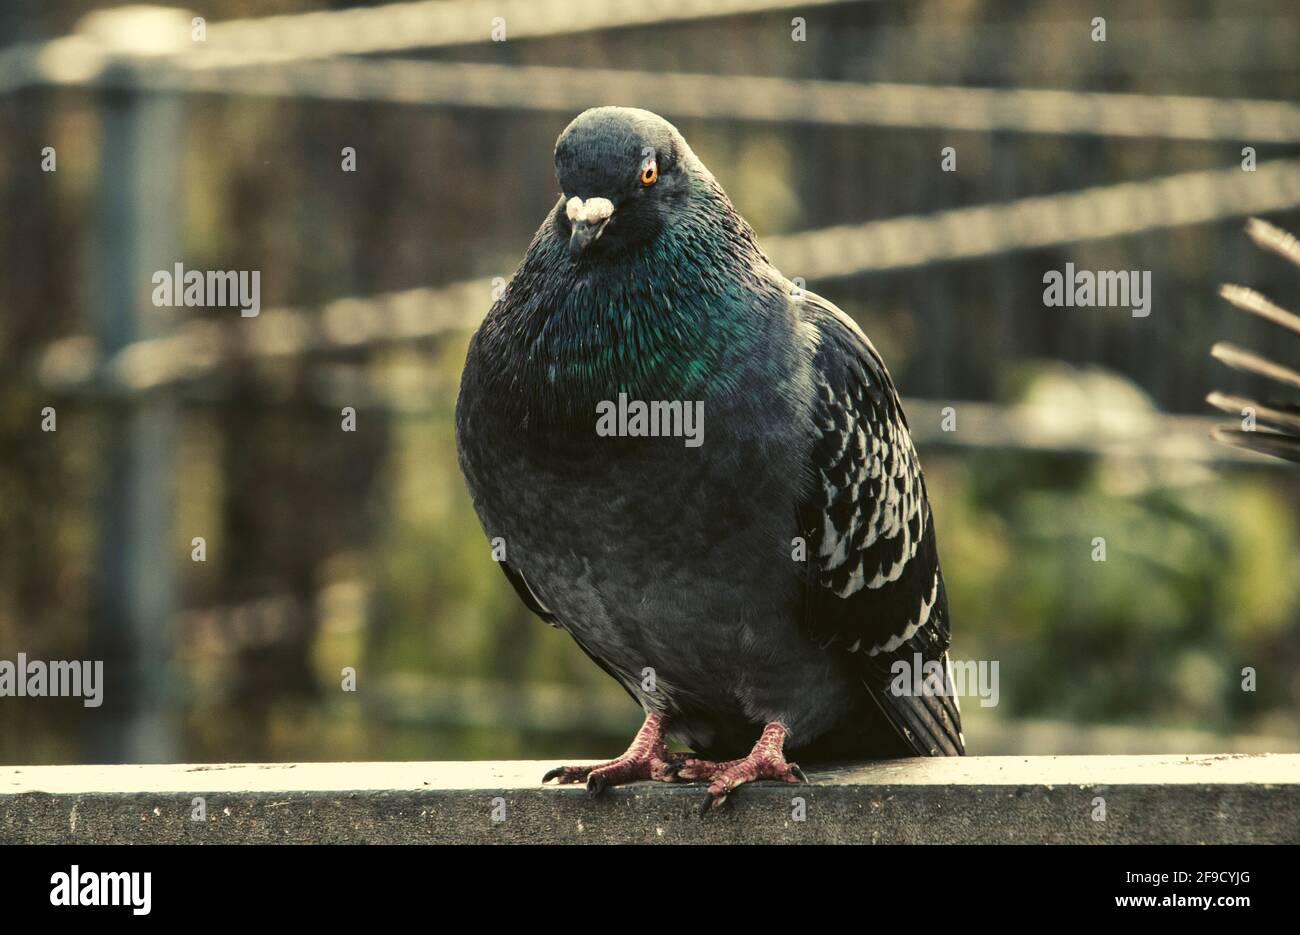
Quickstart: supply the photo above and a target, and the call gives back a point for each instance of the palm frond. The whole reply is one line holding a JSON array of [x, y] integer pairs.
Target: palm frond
[[1281, 416]]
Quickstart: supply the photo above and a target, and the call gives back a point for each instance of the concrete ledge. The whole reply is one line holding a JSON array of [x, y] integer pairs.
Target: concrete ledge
[[1148, 799]]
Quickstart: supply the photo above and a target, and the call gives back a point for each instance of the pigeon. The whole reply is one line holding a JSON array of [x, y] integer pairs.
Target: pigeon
[[1280, 415], [702, 473]]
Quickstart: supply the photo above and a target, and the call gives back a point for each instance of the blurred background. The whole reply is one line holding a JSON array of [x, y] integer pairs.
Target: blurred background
[[826, 123]]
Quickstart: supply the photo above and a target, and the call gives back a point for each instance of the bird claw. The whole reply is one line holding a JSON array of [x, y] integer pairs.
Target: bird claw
[[765, 761], [647, 759], [712, 803], [568, 774]]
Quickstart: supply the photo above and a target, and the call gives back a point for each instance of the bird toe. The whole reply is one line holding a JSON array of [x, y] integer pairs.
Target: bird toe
[[567, 774]]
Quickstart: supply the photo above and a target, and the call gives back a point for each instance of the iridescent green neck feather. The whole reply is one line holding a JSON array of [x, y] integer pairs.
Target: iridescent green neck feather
[[666, 321]]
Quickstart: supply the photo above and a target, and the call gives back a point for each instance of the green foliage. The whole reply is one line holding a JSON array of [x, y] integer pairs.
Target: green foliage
[[1198, 581]]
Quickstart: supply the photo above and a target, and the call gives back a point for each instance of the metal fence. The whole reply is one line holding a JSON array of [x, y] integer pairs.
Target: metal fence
[[141, 68]]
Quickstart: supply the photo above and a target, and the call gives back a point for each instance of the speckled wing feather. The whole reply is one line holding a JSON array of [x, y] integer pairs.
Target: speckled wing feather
[[874, 588]]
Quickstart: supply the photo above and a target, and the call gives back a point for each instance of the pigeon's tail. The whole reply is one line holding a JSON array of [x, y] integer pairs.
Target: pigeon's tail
[[1271, 426], [928, 720]]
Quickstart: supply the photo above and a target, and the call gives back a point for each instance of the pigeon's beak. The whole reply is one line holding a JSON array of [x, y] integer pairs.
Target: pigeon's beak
[[587, 220], [584, 234]]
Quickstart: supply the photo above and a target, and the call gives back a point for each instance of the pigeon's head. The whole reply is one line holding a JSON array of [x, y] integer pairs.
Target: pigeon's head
[[624, 175]]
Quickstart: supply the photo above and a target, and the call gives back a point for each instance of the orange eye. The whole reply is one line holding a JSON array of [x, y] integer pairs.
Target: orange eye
[[649, 172]]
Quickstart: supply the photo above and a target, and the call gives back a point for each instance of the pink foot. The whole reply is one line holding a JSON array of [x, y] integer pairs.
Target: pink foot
[[765, 761], [646, 758]]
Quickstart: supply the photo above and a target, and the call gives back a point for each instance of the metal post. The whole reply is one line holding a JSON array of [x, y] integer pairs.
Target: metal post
[[135, 233]]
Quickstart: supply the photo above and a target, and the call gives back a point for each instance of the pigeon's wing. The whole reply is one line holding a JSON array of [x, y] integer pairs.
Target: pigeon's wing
[[527, 594], [538, 606], [873, 587]]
